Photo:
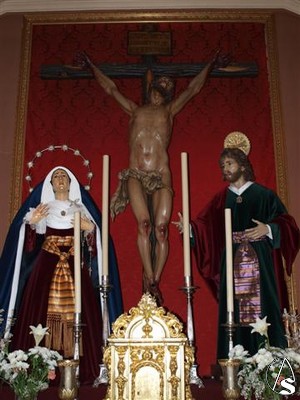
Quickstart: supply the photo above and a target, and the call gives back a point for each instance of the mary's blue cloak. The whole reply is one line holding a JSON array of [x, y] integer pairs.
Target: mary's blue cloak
[[10, 249]]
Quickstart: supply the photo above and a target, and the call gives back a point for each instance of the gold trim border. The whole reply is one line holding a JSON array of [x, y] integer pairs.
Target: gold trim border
[[276, 113]]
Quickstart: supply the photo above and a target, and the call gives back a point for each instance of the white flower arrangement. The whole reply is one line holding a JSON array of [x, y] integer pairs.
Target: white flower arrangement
[[260, 375], [28, 372]]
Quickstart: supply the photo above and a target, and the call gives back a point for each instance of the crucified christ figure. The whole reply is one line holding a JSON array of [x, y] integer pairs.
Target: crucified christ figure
[[147, 183]]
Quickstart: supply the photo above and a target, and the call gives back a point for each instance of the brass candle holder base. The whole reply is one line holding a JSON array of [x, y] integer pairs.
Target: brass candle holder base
[[230, 369], [68, 386]]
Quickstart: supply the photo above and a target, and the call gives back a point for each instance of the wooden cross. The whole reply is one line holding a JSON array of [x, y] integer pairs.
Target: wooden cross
[[148, 44]]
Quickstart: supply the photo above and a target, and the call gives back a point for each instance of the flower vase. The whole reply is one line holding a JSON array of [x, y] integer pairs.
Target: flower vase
[[68, 386], [33, 397], [230, 369]]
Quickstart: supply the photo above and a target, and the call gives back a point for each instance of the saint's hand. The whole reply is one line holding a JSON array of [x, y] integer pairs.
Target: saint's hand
[[258, 231], [179, 224], [86, 224], [39, 213]]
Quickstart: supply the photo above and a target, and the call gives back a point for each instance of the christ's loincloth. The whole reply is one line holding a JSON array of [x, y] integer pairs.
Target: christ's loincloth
[[151, 181]]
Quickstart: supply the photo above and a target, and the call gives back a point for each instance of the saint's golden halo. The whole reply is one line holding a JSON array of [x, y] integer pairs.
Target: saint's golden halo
[[238, 140]]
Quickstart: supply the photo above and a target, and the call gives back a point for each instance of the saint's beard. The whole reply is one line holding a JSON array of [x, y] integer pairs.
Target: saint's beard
[[233, 176]]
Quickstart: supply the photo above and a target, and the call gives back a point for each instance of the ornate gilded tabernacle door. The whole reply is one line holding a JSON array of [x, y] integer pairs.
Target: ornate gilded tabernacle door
[[148, 356]]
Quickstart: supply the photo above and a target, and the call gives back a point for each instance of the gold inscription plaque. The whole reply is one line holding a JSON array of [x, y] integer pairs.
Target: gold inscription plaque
[[149, 43]]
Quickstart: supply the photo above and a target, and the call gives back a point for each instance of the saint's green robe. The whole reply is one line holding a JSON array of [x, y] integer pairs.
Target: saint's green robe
[[264, 205]]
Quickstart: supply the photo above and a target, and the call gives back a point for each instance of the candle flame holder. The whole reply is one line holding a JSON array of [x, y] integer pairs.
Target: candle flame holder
[[105, 288], [189, 290]]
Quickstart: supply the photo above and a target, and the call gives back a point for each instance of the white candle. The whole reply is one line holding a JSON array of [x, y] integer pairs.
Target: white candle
[[185, 214], [229, 264], [77, 268], [105, 208]]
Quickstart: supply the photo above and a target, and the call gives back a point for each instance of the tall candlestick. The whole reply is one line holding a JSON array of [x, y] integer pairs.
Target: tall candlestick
[[77, 269], [185, 215], [229, 264], [105, 207]]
